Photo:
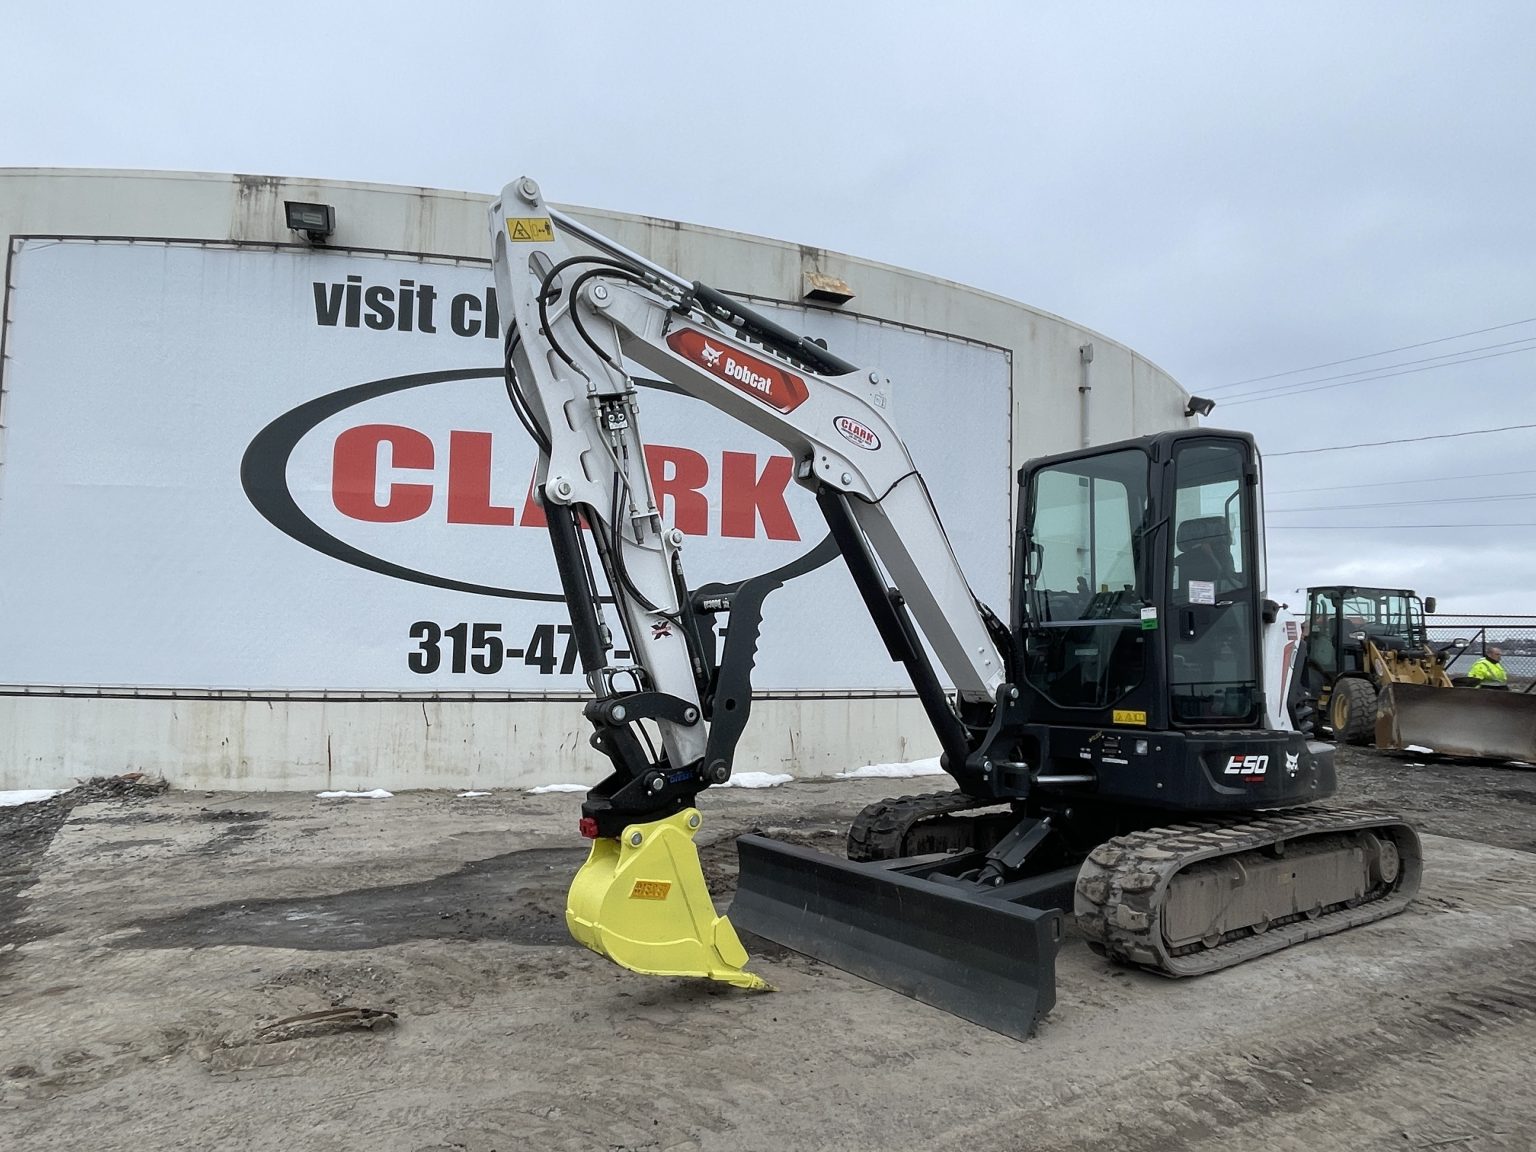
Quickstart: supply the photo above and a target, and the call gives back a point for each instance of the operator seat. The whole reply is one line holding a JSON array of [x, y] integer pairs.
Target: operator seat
[[1204, 635], [1204, 546]]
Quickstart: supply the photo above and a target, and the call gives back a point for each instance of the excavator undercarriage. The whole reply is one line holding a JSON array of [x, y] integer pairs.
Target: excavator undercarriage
[[1180, 899], [1197, 897]]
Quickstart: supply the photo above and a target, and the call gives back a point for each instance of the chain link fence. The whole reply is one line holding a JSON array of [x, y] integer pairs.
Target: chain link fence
[[1514, 635]]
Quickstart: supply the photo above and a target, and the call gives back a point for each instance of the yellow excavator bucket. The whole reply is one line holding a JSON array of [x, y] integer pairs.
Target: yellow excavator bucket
[[641, 901]]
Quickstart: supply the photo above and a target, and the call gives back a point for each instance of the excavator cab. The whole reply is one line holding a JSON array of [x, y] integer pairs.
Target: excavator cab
[[1138, 635], [1139, 608], [1139, 604]]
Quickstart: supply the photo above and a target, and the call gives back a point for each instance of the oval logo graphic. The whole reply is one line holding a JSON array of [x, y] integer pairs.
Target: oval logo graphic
[[855, 433], [400, 477]]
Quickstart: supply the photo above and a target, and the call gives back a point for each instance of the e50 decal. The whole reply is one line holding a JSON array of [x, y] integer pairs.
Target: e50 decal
[[1252, 767]]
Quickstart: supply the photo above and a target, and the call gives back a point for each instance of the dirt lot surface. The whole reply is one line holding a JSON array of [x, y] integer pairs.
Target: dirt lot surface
[[148, 946]]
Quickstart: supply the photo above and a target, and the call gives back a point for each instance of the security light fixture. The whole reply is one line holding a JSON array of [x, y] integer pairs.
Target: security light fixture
[[824, 289], [317, 221], [1199, 406]]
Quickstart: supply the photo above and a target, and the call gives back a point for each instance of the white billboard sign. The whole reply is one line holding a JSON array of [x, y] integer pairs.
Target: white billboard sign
[[269, 470]]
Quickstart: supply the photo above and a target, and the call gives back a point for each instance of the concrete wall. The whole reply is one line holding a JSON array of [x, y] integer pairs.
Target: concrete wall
[[50, 741], [48, 738]]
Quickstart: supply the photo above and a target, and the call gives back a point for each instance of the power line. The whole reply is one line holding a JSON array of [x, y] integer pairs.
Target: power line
[[1254, 397], [1407, 503], [1386, 527], [1370, 355], [1385, 371], [1418, 480], [1404, 440], [1401, 364]]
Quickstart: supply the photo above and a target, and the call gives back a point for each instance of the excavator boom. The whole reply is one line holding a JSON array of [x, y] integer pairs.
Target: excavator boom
[[579, 320]]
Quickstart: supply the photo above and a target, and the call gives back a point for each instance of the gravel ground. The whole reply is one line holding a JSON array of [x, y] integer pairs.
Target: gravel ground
[[156, 949], [1488, 802]]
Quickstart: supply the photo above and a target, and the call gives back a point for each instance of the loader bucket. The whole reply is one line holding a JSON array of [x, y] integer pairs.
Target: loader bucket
[[1458, 721], [640, 900], [984, 959]]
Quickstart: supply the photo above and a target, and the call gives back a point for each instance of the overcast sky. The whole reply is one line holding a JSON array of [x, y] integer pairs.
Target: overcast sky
[[1233, 190]]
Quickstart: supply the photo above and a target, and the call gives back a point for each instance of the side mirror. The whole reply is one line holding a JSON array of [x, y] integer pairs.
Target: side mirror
[[1447, 653], [1429, 603]]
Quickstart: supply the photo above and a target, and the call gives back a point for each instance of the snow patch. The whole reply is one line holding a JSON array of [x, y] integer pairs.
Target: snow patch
[[371, 794], [1420, 750], [740, 780], [467, 795], [757, 780], [928, 767], [27, 796]]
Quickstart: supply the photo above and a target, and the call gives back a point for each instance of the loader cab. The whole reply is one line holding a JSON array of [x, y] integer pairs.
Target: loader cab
[[1139, 583], [1340, 619]]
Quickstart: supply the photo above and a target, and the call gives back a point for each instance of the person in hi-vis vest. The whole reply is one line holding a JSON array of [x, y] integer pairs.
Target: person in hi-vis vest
[[1488, 669]]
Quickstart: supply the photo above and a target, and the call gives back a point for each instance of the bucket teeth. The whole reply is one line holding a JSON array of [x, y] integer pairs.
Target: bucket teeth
[[641, 901]]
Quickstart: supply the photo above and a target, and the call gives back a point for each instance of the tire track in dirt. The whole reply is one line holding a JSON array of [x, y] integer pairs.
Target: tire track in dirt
[[27, 830], [1213, 1096]]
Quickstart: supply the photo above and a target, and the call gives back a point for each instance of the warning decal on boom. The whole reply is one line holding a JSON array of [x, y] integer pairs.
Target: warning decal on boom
[[530, 229]]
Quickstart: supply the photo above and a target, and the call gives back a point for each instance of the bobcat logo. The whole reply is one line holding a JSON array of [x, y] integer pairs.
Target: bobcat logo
[[711, 355], [1292, 764]]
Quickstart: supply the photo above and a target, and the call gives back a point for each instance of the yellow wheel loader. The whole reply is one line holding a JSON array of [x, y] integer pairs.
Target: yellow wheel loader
[[1376, 677]]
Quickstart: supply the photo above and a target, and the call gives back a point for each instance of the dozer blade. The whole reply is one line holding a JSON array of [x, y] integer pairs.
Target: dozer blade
[[944, 943], [641, 901], [1458, 721]]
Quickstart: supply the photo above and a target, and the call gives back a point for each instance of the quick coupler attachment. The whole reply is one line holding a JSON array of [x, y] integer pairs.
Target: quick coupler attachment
[[641, 901]]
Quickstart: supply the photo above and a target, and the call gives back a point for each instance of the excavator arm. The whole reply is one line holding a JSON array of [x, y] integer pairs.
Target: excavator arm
[[579, 321], [582, 312]]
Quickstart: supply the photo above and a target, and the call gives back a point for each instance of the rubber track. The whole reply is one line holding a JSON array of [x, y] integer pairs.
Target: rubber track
[[879, 831], [1124, 881]]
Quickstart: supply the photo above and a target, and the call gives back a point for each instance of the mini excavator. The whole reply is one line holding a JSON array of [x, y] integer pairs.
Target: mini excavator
[[1132, 746]]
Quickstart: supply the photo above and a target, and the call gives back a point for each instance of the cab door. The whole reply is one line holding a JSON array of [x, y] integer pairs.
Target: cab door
[[1215, 674], [1086, 589]]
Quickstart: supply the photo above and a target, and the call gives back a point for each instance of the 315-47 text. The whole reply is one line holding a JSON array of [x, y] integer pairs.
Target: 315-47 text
[[479, 648]]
